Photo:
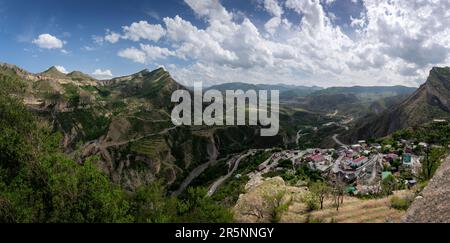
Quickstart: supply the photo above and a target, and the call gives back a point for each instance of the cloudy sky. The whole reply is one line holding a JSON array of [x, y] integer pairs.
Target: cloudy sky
[[304, 42]]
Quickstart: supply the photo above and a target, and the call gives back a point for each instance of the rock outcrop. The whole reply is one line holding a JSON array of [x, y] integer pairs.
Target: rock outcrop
[[433, 206]]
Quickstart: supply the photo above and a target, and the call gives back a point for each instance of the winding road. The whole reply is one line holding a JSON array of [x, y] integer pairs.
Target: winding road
[[197, 171], [222, 179], [336, 140]]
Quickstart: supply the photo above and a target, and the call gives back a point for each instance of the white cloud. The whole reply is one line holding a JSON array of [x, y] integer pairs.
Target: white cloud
[[155, 52], [394, 42], [133, 54], [102, 74], [112, 37], [61, 69], [47, 41], [210, 9], [143, 30], [273, 7], [145, 54]]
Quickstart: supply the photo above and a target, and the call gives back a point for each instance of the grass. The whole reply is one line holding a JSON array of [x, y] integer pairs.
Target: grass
[[353, 210]]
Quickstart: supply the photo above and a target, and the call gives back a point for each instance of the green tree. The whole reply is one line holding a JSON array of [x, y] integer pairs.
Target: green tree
[[199, 208], [151, 205], [432, 161], [321, 190]]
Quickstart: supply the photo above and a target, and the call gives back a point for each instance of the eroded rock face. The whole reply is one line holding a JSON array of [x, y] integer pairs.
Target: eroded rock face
[[433, 205]]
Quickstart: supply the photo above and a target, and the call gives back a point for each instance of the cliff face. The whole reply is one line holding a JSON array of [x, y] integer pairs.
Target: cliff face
[[433, 206], [430, 101]]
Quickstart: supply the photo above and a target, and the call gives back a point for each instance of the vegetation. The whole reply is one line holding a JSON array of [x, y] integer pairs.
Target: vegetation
[[39, 183], [432, 161], [320, 190], [401, 203]]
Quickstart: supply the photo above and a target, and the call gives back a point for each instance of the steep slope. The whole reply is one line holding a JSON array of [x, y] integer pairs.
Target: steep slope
[[430, 101], [433, 205]]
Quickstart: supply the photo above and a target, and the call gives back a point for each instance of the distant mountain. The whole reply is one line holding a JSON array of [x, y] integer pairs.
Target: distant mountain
[[431, 101], [79, 76], [287, 92], [397, 90]]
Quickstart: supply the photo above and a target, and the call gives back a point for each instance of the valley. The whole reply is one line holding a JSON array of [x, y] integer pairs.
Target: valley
[[366, 145]]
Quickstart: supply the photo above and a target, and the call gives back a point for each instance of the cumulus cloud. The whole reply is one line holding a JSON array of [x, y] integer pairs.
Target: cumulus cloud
[[112, 37], [133, 54], [393, 42], [47, 41], [145, 54], [61, 69], [143, 30], [102, 74]]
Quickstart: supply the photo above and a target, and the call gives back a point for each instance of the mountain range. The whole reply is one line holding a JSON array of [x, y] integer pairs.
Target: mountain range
[[431, 101], [126, 122]]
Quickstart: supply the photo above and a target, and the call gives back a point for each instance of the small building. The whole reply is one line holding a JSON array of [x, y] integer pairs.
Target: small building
[[261, 167], [356, 147], [376, 146], [407, 159], [391, 157], [358, 162]]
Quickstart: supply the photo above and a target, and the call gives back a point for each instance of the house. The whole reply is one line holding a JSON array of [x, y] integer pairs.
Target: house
[[356, 147], [407, 159], [376, 146], [358, 162], [317, 158], [261, 167], [391, 157]]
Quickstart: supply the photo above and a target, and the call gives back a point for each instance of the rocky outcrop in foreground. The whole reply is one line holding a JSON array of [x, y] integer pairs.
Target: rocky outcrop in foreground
[[433, 206]]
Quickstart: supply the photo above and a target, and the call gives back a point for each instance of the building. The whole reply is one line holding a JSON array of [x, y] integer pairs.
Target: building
[[356, 147], [391, 157], [358, 162], [407, 159]]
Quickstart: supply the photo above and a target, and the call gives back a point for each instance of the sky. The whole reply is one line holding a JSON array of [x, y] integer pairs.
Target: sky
[[302, 42]]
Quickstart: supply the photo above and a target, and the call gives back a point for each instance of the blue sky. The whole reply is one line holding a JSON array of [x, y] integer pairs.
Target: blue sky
[[305, 42]]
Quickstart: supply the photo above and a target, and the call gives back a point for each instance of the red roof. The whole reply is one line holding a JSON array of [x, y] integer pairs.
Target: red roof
[[359, 160], [318, 157]]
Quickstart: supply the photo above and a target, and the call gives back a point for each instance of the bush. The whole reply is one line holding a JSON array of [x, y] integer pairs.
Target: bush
[[311, 201], [401, 203]]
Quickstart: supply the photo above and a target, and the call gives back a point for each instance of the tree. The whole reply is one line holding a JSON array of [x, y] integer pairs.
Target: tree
[[276, 205], [286, 163], [388, 185], [151, 205], [338, 193], [432, 162], [321, 190], [202, 209], [270, 205]]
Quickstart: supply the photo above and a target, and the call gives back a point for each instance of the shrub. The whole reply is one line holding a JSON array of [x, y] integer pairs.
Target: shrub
[[311, 201], [401, 203]]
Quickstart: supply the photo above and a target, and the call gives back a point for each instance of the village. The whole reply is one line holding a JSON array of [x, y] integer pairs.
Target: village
[[362, 166]]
